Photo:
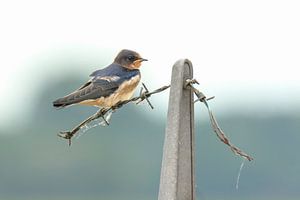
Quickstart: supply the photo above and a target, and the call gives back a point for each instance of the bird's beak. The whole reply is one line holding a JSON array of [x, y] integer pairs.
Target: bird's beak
[[143, 59]]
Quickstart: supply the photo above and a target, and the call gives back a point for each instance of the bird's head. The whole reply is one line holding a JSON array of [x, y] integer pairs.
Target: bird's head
[[129, 59]]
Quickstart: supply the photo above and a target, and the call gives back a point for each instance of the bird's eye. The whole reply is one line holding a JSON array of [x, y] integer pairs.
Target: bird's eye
[[130, 58]]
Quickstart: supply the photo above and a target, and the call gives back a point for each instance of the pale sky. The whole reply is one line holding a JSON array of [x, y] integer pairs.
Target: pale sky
[[243, 52]]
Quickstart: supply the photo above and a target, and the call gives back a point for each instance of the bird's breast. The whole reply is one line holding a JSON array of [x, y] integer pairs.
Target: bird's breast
[[123, 93]]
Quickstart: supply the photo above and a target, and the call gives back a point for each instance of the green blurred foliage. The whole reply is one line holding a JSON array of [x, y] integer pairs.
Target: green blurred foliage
[[122, 161]]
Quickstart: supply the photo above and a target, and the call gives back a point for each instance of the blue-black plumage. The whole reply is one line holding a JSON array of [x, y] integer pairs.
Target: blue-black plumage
[[108, 86]]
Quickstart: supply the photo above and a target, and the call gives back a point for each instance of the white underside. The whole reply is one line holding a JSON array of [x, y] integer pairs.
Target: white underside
[[123, 93]]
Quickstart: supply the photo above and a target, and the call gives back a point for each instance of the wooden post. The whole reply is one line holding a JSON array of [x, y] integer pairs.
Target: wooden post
[[177, 181]]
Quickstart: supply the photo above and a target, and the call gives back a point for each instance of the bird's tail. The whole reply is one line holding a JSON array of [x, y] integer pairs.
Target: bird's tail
[[60, 103], [66, 101]]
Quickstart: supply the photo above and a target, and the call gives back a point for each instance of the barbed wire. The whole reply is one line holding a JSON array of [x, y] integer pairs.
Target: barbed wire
[[216, 128], [144, 95]]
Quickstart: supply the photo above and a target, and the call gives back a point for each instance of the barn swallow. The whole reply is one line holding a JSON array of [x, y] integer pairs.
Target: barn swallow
[[108, 86]]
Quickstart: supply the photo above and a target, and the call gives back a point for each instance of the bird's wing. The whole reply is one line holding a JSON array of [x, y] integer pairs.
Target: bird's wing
[[99, 71], [96, 88], [110, 70], [84, 85]]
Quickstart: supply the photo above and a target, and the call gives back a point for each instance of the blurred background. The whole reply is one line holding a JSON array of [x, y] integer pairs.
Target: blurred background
[[246, 53]]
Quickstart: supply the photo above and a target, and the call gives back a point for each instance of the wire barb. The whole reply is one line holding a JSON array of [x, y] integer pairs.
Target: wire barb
[[103, 116], [145, 95], [101, 112]]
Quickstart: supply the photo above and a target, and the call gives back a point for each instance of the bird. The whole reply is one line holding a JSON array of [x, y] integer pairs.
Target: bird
[[108, 86]]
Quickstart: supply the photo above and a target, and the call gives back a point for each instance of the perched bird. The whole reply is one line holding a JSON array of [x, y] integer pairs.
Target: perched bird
[[110, 85]]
